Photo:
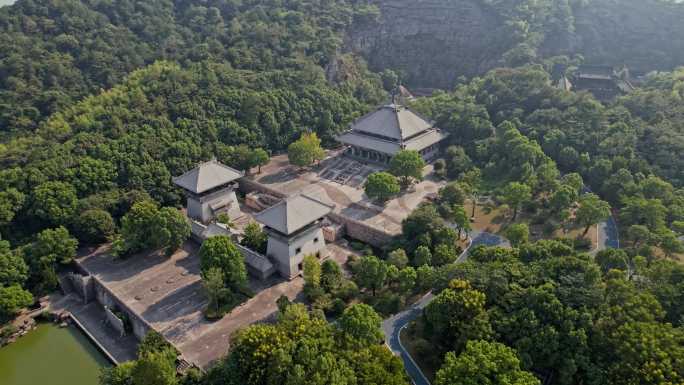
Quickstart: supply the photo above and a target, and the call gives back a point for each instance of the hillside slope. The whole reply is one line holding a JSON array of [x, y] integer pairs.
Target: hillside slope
[[436, 41]]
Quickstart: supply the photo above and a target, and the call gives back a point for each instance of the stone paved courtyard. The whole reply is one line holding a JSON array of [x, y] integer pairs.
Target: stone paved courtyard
[[167, 293], [339, 181]]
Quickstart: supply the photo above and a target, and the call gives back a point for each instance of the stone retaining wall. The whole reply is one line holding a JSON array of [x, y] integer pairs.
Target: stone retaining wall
[[115, 322], [362, 232], [107, 299], [247, 186], [251, 255], [83, 286]]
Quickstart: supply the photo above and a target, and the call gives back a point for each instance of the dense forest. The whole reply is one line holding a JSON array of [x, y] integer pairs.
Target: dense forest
[[102, 102], [56, 53], [568, 318]]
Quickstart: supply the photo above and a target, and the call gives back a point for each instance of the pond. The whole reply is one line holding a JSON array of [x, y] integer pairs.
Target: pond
[[51, 355]]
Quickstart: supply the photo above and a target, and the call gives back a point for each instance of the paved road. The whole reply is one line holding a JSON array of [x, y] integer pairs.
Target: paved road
[[393, 325], [608, 235]]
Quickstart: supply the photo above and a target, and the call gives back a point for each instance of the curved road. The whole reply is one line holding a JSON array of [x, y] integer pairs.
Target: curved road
[[608, 236], [393, 326]]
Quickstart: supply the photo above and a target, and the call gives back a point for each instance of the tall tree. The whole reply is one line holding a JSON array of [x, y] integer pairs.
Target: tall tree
[[362, 323], [221, 253], [517, 233], [457, 315], [381, 186], [155, 368], [213, 283], [484, 362], [55, 202], [174, 227], [515, 194], [255, 238], [591, 211], [12, 299], [306, 150], [408, 166], [312, 271], [371, 273], [13, 269]]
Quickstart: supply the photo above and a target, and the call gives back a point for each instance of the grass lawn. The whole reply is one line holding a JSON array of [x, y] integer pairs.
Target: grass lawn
[[495, 220], [487, 218], [658, 253]]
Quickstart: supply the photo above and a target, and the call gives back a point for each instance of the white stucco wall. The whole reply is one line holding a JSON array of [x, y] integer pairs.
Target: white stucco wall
[[288, 256], [201, 209]]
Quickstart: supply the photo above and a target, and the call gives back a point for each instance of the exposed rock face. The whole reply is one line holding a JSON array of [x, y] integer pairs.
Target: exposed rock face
[[436, 41], [645, 35], [432, 41]]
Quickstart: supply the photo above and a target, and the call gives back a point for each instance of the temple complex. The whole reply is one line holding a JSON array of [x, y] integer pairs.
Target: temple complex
[[604, 82], [379, 135]]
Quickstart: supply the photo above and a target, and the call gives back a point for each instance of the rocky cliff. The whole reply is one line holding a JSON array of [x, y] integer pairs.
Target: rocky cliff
[[435, 41], [432, 41], [645, 35]]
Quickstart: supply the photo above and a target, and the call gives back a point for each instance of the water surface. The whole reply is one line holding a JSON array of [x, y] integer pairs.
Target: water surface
[[50, 355]]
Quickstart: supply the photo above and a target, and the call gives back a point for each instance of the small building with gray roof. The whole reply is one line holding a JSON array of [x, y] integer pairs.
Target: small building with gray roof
[[379, 135], [294, 230], [210, 189]]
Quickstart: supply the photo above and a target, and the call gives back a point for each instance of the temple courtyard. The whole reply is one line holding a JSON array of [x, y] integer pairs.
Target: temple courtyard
[[166, 292], [338, 180]]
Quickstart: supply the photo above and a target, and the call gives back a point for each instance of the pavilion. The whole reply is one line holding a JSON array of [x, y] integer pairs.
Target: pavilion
[[294, 230], [379, 135], [210, 189]]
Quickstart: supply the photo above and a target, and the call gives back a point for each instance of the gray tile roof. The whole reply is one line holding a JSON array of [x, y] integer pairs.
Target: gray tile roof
[[392, 121], [207, 176], [357, 139], [293, 213], [425, 140]]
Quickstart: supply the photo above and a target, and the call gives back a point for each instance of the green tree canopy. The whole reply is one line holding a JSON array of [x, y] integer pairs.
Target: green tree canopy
[[592, 210], [484, 362], [145, 227], [515, 194], [371, 273], [381, 186], [517, 233], [407, 165], [306, 150], [221, 253], [362, 323], [94, 226], [457, 315], [12, 299], [398, 258], [255, 238], [300, 349], [13, 269], [55, 202]]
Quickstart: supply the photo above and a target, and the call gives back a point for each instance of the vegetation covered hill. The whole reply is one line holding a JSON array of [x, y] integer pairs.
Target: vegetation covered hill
[[101, 102], [436, 41], [53, 53]]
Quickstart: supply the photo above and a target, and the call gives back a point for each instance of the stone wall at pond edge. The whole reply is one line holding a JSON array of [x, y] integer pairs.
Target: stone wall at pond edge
[[115, 322]]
